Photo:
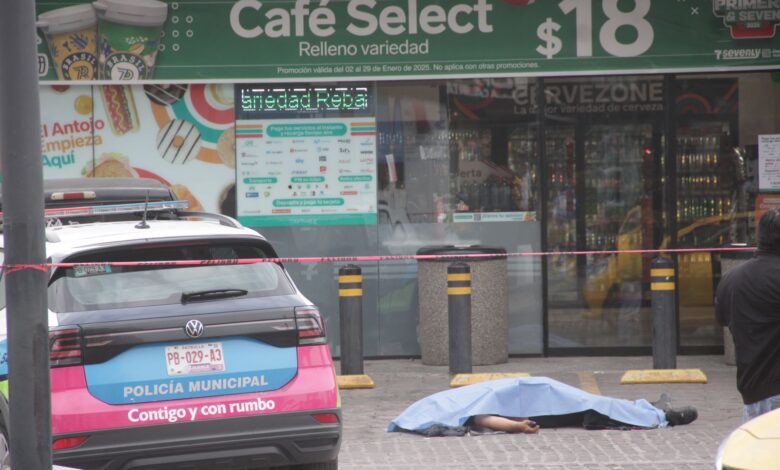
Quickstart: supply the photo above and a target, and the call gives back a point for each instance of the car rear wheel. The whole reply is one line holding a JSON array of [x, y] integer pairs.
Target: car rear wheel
[[5, 450]]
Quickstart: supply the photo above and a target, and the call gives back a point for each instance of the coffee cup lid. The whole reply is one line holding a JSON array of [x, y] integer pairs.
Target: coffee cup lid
[[132, 12], [67, 19]]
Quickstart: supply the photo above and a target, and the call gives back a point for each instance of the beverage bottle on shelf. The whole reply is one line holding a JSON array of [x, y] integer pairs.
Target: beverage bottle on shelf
[[495, 203], [484, 197], [562, 175], [571, 245], [475, 203], [506, 195], [471, 196]]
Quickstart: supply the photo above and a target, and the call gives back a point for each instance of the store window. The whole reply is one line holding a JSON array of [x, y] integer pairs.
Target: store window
[[458, 166], [721, 121], [661, 162], [606, 168]]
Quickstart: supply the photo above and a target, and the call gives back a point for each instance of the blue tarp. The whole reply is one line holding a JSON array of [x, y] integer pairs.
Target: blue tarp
[[521, 398]]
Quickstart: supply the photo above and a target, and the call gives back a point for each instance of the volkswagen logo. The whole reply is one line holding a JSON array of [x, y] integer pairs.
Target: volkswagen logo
[[194, 329]]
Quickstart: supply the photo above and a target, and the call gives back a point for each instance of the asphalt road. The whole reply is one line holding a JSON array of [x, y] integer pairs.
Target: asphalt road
[[400, 382]]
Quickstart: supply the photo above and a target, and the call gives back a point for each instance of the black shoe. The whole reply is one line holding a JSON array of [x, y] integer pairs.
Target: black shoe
[[680, 416], [664, 403]]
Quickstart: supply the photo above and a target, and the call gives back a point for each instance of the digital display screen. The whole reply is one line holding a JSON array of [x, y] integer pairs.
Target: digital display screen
[[286, 101]]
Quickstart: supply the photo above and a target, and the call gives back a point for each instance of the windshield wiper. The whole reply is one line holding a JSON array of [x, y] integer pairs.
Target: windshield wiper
[[214, 294]]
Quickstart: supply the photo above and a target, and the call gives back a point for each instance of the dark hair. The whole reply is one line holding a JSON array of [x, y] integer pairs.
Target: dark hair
[[769, 231]]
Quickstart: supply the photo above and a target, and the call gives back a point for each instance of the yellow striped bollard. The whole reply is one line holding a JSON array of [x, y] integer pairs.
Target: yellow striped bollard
[[459, 317], [351, 319], [662, 286]]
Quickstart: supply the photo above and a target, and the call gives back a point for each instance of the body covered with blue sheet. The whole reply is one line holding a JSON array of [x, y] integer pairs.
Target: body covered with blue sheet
[[523, 397]]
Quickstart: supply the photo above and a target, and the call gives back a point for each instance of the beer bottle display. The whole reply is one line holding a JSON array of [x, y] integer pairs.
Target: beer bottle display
[[705, 186]]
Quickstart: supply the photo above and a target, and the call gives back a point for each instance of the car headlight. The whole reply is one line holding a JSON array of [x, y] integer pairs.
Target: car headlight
[[721, 449]]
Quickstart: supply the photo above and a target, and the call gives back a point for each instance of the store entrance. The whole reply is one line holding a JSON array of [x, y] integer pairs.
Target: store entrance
[[616, 200], [604, 187]]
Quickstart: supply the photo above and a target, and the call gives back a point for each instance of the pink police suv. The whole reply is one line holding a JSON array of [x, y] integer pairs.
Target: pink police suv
[[200, 362]]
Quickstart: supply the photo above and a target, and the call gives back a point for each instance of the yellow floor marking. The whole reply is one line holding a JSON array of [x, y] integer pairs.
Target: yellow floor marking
[[654, 376], [588, 383], [347, 382], [460, 380]]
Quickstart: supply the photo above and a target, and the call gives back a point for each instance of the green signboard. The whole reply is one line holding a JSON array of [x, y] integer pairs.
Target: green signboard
[[290, 40]]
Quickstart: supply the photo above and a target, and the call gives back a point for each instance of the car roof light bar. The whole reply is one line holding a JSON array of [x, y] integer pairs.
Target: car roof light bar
[[84, 211]]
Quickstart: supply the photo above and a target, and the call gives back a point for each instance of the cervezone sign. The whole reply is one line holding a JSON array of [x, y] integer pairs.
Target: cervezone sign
[[287, 40]]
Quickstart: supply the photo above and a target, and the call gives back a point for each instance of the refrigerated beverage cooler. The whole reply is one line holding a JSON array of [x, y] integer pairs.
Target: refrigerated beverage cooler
[[711, 211], [602, 179]]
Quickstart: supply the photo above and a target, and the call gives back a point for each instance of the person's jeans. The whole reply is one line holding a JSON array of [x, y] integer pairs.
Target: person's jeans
[[760, 407]]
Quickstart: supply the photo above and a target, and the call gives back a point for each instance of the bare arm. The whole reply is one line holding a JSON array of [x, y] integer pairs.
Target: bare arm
[[511, 425]]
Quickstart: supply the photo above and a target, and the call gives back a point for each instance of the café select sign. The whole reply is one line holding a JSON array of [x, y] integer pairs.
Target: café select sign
[[285, 40]]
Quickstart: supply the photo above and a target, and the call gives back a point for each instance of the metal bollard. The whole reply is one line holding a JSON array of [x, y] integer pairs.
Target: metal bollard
[[459, 317], [351, 319], [664, 314]]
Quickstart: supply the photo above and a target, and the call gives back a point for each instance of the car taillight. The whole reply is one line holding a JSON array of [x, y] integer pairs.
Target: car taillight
[[68, 442], [64, 347], [311, 328], [326, 418], [73, 195]]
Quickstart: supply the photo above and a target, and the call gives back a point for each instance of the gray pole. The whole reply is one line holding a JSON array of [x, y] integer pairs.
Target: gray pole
[[351, 319], [459, 317], [664, 317], [23, 231]]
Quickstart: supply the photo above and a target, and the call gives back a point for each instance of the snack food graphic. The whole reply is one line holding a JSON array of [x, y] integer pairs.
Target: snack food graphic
[[128, 37], [120, 108], [220, 95], [226, 147], [110, 165], [165, 95], [182, 192], [142, 173], [208, 107], [83, 105], [178, 141], [71, 34]]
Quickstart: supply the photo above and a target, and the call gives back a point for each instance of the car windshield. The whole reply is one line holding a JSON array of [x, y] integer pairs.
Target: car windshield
[[102, 287]]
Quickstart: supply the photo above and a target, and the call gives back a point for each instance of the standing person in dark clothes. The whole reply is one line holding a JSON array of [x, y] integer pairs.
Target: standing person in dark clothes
[[748, 302]]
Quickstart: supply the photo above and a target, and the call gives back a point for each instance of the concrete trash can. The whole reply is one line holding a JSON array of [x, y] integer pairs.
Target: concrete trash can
[[729, 260], [489, 305]]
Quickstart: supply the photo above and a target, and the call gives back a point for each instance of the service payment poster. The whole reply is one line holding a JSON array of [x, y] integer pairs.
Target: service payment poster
[[769, 163], [308, 171]]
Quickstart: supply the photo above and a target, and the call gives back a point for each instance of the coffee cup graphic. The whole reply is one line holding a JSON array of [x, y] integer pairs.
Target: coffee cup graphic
[[128, 37], [71, 34]]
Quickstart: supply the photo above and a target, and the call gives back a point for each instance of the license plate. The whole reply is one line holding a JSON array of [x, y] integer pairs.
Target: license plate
[[185, 359]]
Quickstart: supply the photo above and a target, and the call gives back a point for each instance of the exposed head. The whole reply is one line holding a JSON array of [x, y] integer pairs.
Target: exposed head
[[769, 231]]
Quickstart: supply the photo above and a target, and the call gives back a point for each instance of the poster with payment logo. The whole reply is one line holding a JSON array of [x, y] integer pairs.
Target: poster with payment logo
[[295, 172]]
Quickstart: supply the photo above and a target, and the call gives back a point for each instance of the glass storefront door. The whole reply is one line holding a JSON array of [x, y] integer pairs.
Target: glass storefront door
[[603, 176]]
